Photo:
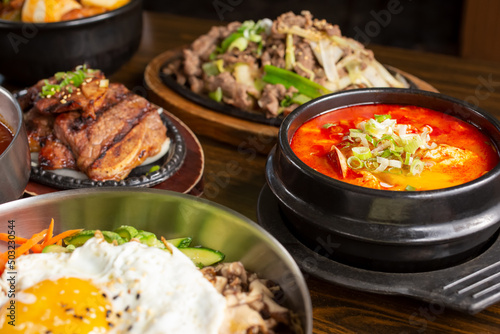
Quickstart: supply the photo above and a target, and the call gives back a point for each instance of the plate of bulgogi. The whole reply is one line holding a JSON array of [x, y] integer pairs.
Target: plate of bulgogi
[[261, 71], [85, 131]]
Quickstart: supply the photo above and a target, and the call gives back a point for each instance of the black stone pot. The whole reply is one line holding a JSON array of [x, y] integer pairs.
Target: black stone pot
[[33, 51], [385, 230]]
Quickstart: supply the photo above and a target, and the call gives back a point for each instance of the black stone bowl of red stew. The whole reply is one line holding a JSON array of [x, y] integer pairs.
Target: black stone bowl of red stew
[[34, 51], [380, 229]]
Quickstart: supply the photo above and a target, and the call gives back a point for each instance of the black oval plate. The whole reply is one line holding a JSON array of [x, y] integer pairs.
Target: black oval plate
[[138, 177], [205, 101]]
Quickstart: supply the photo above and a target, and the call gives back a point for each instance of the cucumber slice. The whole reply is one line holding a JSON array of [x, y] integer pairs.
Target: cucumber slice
[[55, 249], [148, 238], [126, 232], [202, 256], [181, 242], [79, 239]]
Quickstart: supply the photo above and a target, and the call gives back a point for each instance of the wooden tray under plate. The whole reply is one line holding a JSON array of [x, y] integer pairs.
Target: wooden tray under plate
[[243, 134]]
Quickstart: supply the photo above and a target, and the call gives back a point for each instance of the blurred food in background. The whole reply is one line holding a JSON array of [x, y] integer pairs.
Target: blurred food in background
[[44, 11]]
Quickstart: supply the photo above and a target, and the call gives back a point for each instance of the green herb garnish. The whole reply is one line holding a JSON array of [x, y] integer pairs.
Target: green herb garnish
[[66, 79], [153, 169]]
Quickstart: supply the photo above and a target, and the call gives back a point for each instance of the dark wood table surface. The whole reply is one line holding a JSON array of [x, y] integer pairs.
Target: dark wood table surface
[[336, 309]]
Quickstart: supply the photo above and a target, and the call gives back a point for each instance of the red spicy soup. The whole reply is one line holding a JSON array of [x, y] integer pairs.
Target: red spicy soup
[[394, 147], [6, 137]]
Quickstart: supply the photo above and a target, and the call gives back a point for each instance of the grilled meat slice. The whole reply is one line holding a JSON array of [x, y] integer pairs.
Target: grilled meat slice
[[89, 139], [144, 140], [33, 93], [101, 129], [89, 98], [56, 155], [38, 127]]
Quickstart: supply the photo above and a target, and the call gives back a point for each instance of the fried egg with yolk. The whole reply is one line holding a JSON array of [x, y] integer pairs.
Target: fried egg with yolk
[[103, 288]]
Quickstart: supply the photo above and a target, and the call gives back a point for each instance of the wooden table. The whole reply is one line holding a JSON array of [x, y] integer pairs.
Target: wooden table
[[234, 179]]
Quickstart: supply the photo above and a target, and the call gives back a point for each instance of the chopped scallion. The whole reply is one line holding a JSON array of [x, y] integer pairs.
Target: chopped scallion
[[328, 125], [216, 95], [355, 162], [153, 169], [381, 118], [417, 167], [362, 152]]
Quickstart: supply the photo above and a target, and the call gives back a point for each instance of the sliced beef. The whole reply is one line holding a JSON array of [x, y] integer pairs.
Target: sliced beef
[[89, 138], [196, 84], [330, 29], [290, 19], [56, 155], [270, 101], [274, 55], [305, 62], [237, 56], [240, 98], [223, 80], [234, 93], [174, 68], [204, 45], [192, 63], [143, 141]]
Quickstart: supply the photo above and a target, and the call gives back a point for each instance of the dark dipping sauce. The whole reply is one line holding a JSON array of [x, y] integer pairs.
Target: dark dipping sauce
[[6, 137]]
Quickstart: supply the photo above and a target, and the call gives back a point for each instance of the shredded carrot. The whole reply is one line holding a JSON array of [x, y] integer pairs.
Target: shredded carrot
[[50, 232], [61, 236], [30, 243], [17, 240], [35, 244], [4, 258], [37, 248]]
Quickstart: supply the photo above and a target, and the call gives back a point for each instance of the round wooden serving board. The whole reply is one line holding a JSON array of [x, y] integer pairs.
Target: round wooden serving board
[[243, 134], [188, 179]]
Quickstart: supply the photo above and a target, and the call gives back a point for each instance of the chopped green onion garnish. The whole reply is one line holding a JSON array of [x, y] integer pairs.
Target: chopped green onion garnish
[[239, 43], [417, 167], [153, 169], [362, 152], [386, 153], [371, 164], [381, 118], [410, 188], [328, 125], [407, 158], [394, 170], [75, 78], [216, 95], [300, 99], [276, 75], [297, 98], [355, 163], [286, 102], [210, 69], [397, 150], [412, 145], [371, 140]]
